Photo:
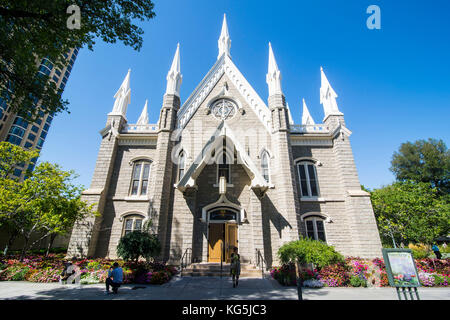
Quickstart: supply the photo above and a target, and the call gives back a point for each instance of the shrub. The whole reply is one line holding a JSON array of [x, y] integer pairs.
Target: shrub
[[306, 275], [19, 274], [441, 280], [157, 266], [336, 275], [138, 244], [426, 279], [357, 281], [94, 265], [306, 251], [159, 277], [420, 251], [48, 269], [285, 274], [444, 249]]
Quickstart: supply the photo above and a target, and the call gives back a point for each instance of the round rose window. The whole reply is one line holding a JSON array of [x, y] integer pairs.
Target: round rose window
[[224, 109]]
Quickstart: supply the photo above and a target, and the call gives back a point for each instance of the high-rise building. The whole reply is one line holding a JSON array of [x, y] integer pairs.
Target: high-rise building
[[31, 135]]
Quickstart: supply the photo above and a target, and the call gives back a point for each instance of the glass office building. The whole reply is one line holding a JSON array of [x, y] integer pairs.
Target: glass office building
[[17, 130]]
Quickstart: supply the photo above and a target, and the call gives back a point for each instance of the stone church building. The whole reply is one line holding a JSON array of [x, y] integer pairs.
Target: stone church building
[[226, 169]]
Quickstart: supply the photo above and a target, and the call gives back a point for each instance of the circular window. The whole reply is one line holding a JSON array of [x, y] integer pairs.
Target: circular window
[[224, 109]]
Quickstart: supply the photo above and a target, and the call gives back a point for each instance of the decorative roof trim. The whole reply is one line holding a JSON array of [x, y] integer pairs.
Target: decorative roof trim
[[204, 157], [224, 66]]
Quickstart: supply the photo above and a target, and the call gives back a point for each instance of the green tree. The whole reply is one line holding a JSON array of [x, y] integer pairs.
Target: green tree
[[138, 244], [11, 200], [45, 204], [410, 212], [11, 156], [57, 202], [306, 251], [423, 161], [32, 30]]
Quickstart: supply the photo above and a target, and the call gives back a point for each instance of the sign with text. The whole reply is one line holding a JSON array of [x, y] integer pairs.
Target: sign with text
[[401, 268]]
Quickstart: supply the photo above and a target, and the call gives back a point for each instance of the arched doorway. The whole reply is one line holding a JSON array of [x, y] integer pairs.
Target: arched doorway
[[222, 233]]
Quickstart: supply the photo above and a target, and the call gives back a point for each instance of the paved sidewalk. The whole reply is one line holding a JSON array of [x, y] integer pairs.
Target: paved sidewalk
[[200, 288]]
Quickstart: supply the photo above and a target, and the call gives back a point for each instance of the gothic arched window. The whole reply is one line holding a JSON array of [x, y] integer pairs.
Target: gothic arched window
[[132, 223], [315, 228], [140, 177], [265, 166], [308, 179]]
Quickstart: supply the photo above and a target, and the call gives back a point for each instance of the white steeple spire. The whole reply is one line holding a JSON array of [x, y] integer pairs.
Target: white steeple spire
[[273, 77], [122, 97], [306, 116], [291, 120], [224, 39], [174, 77], [328, 96], [143, 119]]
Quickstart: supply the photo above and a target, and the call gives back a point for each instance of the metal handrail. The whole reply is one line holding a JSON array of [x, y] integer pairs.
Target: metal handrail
[[185, 258], [221, 258], [260, 261]]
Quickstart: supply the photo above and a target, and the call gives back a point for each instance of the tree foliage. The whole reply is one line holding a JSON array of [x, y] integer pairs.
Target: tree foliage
[[45, 204], [32, 30], [138, 244], [12, 155], [423, 161], [306, 251], [412, 211]]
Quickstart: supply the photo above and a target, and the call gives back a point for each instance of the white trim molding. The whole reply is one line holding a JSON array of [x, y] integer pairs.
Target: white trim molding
[[224, 65], [223, 202], [138, 158], [325, 216], [132, 213]]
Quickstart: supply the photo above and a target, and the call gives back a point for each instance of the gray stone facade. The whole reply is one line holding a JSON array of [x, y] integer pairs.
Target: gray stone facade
[[268, 213]]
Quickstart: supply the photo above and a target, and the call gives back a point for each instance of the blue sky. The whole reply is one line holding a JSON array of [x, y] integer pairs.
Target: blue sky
[[393, 84]]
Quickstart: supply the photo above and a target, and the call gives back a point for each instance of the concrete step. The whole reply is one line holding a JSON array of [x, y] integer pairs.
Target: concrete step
[[250, 274], [213, 270], [216, 267]]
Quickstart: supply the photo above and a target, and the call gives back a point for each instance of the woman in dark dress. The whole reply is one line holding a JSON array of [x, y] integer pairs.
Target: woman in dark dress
[[235, 267]]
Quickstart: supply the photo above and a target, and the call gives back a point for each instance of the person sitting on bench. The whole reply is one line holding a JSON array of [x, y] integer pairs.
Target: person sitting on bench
[[115, 278]]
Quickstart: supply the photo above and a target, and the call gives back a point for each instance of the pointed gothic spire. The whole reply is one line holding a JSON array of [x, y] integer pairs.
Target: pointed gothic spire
[[143, 119], [273, 77], [291, 120], [306, 116], [122, 97], [174, 77], [328, 96], [224, 39]]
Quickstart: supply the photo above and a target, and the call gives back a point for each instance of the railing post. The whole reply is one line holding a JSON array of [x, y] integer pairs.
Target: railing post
[[262, 264]]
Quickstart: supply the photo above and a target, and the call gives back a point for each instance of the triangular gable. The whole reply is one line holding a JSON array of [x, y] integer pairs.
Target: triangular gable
[[204, 157], [224, 65]]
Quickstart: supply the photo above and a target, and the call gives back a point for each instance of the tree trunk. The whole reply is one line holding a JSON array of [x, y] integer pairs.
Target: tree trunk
[[50, 244], [10, 241], [24, 248]]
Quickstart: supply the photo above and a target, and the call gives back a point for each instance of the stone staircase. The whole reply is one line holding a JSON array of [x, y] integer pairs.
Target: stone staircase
[[204, 269]]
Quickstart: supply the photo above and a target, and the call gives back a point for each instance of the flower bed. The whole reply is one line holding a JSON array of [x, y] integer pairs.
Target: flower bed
[[357, 272], [38, 268]]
